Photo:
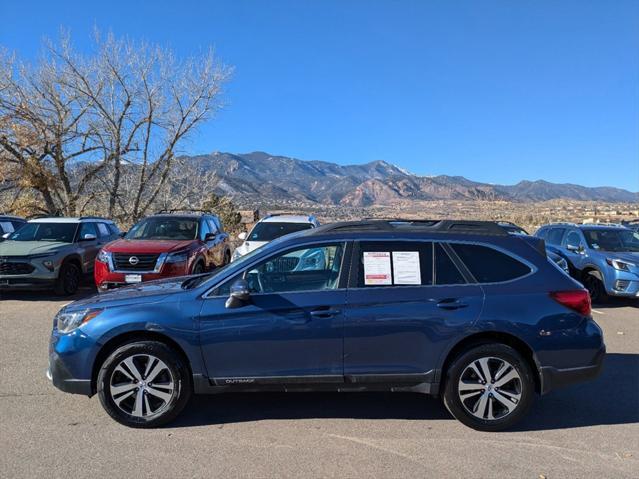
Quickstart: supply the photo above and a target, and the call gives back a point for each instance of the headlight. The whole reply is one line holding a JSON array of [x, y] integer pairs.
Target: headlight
[[178, 257], [620, 265], [103, 257], [67, 322]]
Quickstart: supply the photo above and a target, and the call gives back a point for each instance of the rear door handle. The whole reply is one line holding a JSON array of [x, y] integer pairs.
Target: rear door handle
[[451, 303], [324, 312]]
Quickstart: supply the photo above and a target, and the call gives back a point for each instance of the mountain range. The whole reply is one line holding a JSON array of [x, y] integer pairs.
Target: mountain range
[[259, 176]]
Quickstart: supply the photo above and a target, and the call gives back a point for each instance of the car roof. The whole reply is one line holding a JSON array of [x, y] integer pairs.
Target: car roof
[[12, 217], [192, 216], [57, 219], [288, 219]]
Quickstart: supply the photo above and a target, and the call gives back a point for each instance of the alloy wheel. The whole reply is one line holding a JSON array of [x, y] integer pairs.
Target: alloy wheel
[[490, 388], [142, 385]]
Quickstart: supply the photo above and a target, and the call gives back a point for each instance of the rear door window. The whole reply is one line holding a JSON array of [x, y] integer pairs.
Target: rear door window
[[395, 264], [488, 265], [445, 270], [104, 230]]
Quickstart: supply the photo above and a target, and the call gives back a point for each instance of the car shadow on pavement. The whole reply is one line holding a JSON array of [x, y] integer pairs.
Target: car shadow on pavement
[[45, 295], [613, 303], [613, 398]]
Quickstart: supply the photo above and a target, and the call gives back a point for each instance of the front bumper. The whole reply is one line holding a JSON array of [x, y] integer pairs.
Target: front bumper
[[62, 379], [554, 378], [106, 279], [25, 282]]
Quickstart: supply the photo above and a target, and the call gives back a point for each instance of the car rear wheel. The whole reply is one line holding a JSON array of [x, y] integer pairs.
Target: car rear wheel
[[144, 384], [489, 388], [68, 280]]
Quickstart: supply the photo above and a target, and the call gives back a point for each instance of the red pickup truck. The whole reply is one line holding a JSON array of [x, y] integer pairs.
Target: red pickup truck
[[162, 246]]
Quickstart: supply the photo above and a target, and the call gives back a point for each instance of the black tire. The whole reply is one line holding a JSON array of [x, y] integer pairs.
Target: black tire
[[68, 280], [595, 288], [175, 372], [523, 387], [198, 268]]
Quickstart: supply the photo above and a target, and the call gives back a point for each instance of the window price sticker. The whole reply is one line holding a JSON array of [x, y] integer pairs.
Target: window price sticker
[[377, 268], [406, 267]]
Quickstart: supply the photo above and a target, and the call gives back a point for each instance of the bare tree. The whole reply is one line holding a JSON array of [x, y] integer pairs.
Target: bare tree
[[101, 132]]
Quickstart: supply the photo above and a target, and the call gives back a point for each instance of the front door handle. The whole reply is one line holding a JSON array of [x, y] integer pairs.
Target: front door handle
[[324, 312], [451, 304]]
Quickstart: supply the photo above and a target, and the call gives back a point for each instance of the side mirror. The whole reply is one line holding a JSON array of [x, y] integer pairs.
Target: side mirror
[[5, 236], [575, 248], [88, 237], [240, 294], [242, 235], [209, 236]]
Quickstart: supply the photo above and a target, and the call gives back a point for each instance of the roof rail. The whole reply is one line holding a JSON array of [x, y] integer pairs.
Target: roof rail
[[435, 226], [93, 217], [183, 210]]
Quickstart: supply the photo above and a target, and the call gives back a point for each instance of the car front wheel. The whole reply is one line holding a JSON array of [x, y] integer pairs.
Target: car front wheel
[[144, 384], [489, 388]]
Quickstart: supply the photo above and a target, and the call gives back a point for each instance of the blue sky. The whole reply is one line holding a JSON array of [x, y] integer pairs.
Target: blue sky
[[494, 91]]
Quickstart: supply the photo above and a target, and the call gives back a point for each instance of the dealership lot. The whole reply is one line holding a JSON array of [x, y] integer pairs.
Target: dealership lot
[[587, 430]]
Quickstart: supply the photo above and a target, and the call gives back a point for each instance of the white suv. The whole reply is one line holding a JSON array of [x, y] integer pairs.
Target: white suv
[[271, 227]]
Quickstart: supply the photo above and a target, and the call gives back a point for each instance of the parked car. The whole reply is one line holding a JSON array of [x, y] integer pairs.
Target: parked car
[[53, 252], [162, 246], [8, 224], [633, 225], [552, 254], [458, 309], [605, 258], [512, 228], [270, 228]]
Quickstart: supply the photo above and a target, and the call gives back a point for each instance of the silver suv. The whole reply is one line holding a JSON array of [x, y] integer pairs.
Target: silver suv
[[53, 252]]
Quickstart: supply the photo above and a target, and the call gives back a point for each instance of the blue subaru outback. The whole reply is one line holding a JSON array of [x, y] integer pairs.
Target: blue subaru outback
[[605, 258], [459, 309]]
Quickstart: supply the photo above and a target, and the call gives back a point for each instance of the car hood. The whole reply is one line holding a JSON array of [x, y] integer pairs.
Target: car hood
[[147, 246], [249, 246], [24, 248], [152, 291]]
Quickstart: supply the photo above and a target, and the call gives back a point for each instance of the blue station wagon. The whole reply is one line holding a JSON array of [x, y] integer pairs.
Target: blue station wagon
[[459, 309]]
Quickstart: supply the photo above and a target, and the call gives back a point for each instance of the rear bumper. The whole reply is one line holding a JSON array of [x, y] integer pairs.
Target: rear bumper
[[63, 380], [554, 378]]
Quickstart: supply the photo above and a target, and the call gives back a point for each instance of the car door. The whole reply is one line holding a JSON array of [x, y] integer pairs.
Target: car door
[[291, 328], [574, 248], [89, 247], [407, 301]]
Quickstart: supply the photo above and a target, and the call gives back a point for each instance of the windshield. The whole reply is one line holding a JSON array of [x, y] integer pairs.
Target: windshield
[[619, 240], [161, 228], [269, 230], [514, 230], [63, 232]]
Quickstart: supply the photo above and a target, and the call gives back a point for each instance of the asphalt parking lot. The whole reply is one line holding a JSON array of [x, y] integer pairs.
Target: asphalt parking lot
[[589, 430]]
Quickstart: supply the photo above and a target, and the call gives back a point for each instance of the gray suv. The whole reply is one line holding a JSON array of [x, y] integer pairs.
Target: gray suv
[[53, 253]]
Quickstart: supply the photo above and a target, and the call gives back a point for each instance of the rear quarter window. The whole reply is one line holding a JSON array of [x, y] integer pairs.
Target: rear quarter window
[[488, 265]]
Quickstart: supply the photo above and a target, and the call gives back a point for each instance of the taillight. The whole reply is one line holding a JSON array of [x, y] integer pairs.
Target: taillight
[[577, 300]]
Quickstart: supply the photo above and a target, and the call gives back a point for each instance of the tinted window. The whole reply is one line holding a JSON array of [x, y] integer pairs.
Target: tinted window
[[45, 232], [541, 233], [488, 265], [617, 240], [555, 235], [114, 229], [103, 230], [407, 263], [269, 230], [445, 270]]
